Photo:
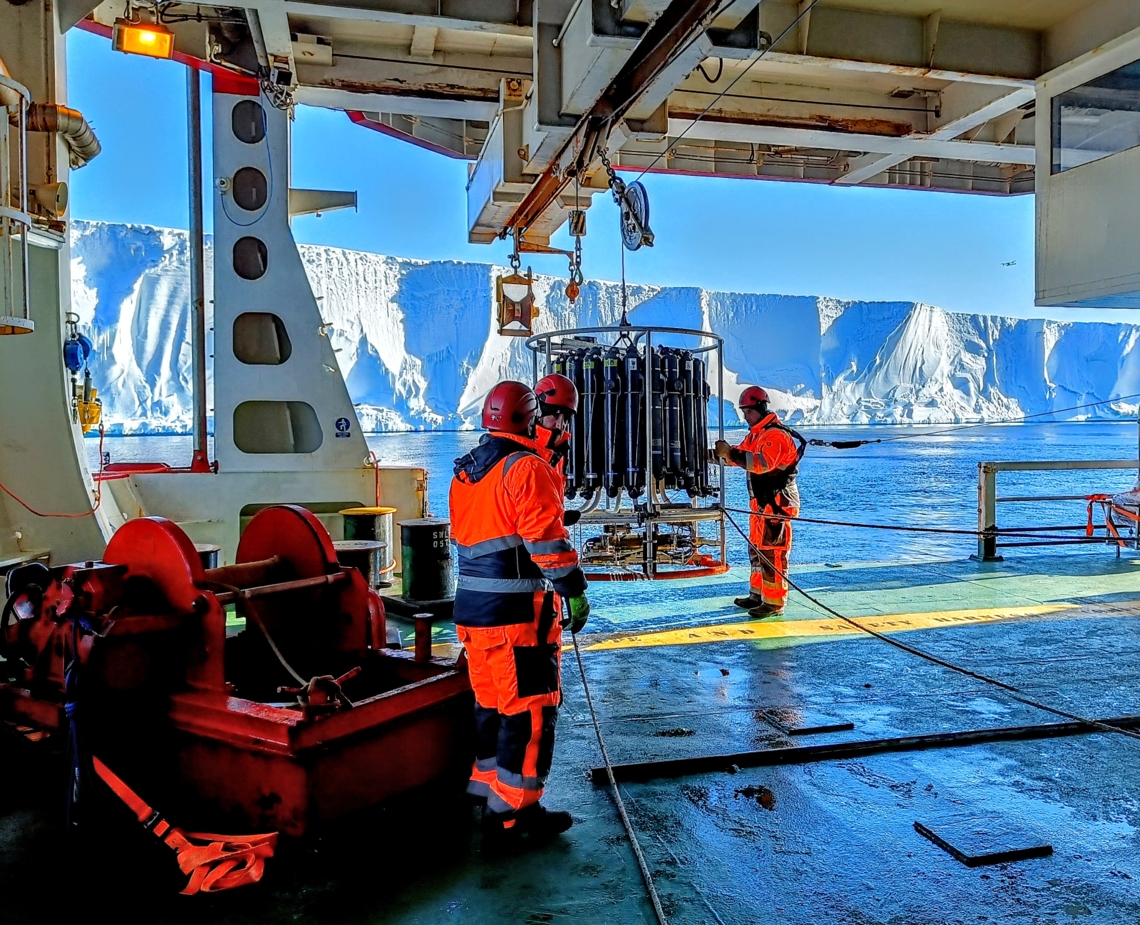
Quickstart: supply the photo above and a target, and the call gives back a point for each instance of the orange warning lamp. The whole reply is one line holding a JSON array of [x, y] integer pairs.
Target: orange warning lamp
[[142, 38]]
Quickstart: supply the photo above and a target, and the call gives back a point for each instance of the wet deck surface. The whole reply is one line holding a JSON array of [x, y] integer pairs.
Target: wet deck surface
[[675, 671]]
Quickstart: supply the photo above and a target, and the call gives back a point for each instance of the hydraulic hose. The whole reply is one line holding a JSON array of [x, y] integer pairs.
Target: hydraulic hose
[[69, 123]]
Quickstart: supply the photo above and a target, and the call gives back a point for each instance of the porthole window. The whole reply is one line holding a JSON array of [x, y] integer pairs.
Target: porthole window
[[251, 258], [248, 121], [260, 339], [250, 188], [277, 427]]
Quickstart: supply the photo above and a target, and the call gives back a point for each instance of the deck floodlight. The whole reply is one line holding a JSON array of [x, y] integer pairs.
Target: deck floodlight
[[515, 297], [142, 38]]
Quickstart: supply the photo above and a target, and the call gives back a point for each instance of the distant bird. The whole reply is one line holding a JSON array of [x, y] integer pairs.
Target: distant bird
[[1009, 263]]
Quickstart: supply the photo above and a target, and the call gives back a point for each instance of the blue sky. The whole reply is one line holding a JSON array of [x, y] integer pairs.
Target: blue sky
[[735, 235]]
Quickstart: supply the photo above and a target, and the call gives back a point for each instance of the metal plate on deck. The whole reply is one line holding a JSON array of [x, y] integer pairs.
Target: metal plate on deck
[[795, 722], [978, 840]]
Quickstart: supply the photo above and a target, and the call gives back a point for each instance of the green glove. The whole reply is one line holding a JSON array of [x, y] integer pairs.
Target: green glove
[[579, 613]]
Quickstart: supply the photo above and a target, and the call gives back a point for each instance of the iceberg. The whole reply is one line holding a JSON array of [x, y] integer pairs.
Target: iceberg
[[418, 348]]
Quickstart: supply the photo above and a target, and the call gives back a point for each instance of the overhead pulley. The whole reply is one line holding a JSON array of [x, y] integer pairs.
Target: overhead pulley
[[633, 201]]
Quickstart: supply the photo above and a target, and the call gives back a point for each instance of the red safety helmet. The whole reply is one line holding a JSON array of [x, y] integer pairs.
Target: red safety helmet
[[510, 407], [558, 392], [753, 397]]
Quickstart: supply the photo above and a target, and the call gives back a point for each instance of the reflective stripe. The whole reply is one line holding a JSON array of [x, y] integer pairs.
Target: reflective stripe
[[478, 788], [555, 573], [497, 804], [486, 764], [547, 547], [518, 781], [511, 460], [486, 547], [504, 585], [750, 464]]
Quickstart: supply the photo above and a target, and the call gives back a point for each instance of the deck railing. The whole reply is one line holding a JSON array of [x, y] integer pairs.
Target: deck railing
[[988, 500]]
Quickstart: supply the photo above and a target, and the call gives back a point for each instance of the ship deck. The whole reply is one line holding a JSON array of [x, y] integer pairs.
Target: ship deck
[[677, 671]]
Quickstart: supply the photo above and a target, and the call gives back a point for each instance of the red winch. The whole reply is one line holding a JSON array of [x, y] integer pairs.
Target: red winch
[[298, 718]]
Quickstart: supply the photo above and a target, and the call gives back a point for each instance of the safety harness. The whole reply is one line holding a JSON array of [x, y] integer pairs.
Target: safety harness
[[766, 487]]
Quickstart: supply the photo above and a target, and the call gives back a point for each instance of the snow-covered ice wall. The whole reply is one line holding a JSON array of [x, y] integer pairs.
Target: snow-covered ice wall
[[418, 349]]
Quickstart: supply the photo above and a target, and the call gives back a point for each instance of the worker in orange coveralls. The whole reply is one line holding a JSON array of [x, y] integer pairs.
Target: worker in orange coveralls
[[770, 453], [516, 566], [557, 405]]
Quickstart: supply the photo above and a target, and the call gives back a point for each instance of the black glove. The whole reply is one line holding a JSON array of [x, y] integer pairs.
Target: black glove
[[571, 517]]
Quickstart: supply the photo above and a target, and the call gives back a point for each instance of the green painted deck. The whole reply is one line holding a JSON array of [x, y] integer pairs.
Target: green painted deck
[[675, 672]]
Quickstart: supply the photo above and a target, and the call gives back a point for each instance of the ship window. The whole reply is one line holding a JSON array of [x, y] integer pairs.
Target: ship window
[[251, 191], [260, 339], [1096, 119], [248, 121], [251, 258], [276, 427]]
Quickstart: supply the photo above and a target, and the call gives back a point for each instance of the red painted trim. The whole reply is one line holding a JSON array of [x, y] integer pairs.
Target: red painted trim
[[233, 82], [359, 118], [237, 84]]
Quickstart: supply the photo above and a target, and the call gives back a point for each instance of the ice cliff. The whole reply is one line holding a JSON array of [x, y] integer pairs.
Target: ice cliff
[[418, 350]]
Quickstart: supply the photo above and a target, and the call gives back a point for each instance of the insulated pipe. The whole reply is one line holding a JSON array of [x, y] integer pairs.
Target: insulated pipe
[[77, 134], [245, 574], [8, 96]]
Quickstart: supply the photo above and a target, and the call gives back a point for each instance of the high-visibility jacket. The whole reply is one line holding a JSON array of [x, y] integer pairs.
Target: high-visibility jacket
[[506, 520], [554, 447], [770, 453]]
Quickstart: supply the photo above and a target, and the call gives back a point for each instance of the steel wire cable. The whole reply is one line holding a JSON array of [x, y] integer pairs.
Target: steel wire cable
[[959, 428], [643, 866], [795, 22], [950, 531], [1014, 692]]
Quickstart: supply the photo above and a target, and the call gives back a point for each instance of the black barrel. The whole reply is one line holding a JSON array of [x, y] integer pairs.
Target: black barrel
[[363, 555], [426, 551], [374, 523]]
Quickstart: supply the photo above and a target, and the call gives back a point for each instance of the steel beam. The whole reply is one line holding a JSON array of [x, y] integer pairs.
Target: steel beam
[[808, 754], [964, 107], [350, 101], [907, 146], [681, 23], [499, 16], [909, 40]]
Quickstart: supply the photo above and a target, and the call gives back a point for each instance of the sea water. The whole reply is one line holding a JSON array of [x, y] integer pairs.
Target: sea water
[[917, 476]]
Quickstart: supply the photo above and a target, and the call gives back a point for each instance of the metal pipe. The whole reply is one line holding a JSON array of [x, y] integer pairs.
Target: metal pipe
[[566, 24], [423, 636], [244, 574], [201, 456], [284, 587], [592, 503], [806, 754]]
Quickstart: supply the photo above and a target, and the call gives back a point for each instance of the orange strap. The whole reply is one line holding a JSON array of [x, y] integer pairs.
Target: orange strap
[[213, 862]]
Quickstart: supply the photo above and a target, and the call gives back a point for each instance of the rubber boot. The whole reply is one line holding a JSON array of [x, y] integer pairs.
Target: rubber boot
[[765, 610], [536, 823], [748, 602]]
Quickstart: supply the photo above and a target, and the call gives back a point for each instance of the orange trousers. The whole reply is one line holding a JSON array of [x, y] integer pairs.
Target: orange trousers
[[516, 678], [771, 541]]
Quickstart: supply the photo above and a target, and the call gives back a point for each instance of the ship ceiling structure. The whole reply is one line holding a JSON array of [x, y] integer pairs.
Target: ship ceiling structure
[[930, 94]]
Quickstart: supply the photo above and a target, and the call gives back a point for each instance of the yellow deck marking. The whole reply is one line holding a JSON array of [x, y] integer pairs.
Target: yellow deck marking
[[786, 629]]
